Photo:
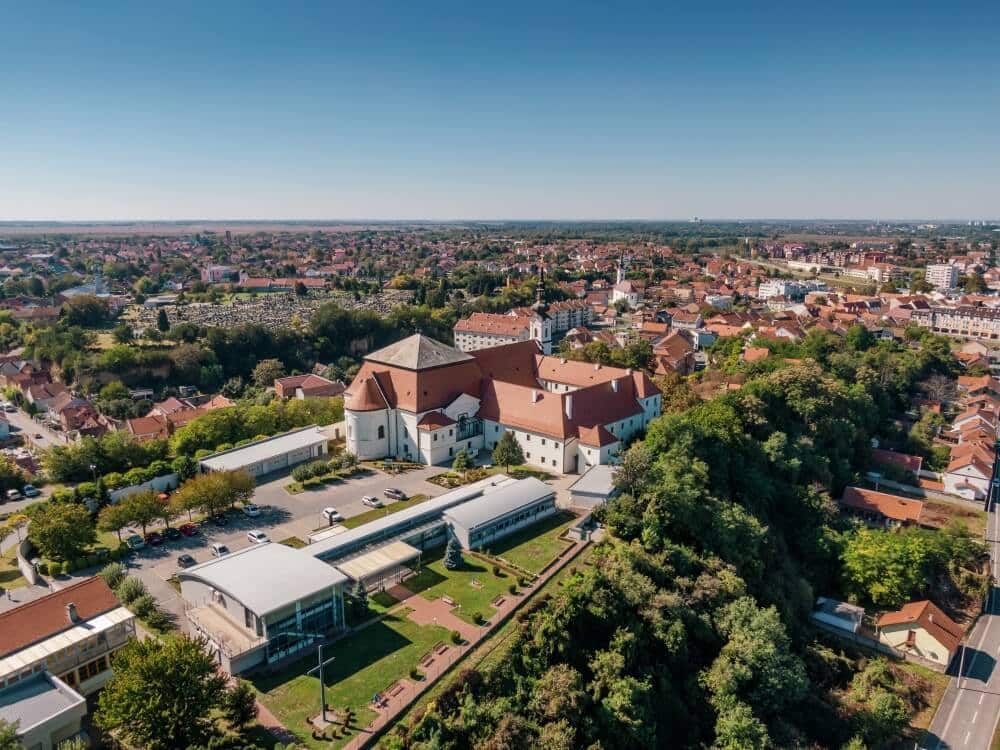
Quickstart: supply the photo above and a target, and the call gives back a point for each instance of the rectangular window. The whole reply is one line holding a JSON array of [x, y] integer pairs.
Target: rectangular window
[[543, 441], [527, 455]]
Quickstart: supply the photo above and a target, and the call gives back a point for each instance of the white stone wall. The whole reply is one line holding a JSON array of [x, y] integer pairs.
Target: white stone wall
[[363, 433]]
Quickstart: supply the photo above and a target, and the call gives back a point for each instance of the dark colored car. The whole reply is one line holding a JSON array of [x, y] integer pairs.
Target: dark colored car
[[172, 534], [154, 539], [188, 529], [185, 561], [394, 494], [220, 520]]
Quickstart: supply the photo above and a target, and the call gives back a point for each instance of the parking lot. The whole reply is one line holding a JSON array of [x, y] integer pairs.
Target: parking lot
[[283, 515]]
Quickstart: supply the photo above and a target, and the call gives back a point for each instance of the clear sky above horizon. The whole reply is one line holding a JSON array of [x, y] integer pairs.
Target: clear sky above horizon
[[575, 110]]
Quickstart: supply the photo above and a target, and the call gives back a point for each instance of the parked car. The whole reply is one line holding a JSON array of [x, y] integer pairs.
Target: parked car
[[154, 538], [185, 561], [220, 520], [251, 510], [9, 407], [332, 515], [257, 536], [371, 501], [172, 534], [218, 550], [188, 529], [38, 436], [135, 542], [30, 490], [13, 495], [394, 494]]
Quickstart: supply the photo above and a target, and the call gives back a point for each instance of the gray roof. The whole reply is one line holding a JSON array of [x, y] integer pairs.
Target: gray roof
[[37, 699], [262, 450], [505, 500], [266, 577], [418, 352], [428, 510], [598, 480]]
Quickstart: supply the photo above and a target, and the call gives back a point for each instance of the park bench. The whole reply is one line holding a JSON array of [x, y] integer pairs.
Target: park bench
[[448, 600]]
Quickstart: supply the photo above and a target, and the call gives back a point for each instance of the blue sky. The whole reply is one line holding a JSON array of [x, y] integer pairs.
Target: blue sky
[[436, 110]]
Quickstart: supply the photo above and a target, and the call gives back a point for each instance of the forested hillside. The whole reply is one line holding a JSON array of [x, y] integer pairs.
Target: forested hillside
[[689, 627]]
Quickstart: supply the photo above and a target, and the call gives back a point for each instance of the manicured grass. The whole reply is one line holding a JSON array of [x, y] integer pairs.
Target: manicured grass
[[10, 574], [366, 662], [376, 513], [496, 647], [294, 542], [434, 581], [536, 546]]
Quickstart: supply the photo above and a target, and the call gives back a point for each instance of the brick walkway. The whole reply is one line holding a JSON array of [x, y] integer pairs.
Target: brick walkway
[[398, 698], [433, 612]]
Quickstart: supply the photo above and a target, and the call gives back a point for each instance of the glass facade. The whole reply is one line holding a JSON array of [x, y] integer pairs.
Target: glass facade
[[318, 614]]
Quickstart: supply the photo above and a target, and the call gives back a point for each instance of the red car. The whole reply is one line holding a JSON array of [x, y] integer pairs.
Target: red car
[[188, 529], [154, 538]]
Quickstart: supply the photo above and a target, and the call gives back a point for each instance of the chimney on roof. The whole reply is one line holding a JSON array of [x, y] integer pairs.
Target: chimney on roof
[[597, 365], [536, 396], [568, 405], [71, 613], [614, 385], [628, 371]]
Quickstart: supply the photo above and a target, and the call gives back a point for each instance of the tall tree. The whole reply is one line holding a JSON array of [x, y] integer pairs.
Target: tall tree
[[162, 694], [508, 451], [60, 530]]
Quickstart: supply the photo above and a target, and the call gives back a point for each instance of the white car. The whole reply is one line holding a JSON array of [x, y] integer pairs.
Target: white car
[[218, 550], [251, 510], [257, 537], [13, 495], [371, 501], [332, 515]]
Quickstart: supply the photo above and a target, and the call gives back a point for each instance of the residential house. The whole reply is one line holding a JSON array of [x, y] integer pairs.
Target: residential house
[[881, 508], [922, 629], [307, 386]]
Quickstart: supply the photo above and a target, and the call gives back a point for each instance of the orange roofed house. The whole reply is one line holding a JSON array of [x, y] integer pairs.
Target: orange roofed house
[[881, 508], [921, 628], [421, 400]]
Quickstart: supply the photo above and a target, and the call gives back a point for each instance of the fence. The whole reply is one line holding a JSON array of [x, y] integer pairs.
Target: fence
[[158, 484]]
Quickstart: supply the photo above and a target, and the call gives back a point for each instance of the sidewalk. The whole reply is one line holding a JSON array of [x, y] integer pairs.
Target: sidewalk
[[405, 691]]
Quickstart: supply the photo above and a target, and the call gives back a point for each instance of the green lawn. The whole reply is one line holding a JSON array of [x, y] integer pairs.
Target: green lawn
[[434, 581], [535, 547], [366, 662], [387, 510], [294, 542], [10, 574]]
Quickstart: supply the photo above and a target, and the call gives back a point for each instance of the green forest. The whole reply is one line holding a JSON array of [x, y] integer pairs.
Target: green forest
[[688, 628]]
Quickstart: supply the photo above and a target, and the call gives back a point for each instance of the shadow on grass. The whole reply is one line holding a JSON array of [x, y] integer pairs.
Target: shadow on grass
[[352, 654], [518, 538]]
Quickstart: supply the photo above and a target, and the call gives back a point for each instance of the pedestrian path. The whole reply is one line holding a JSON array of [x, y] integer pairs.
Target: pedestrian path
[[399, 696]]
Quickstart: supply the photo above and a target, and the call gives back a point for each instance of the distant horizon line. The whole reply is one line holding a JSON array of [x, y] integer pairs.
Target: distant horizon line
[[607, 220]]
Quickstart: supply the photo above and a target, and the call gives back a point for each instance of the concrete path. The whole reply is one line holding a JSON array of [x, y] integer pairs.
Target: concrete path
[[405, 691]]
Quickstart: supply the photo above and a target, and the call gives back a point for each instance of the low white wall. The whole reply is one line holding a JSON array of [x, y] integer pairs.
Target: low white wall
[[159, 484]]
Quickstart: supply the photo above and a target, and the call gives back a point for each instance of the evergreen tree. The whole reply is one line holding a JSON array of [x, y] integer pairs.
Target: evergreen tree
[[162, 321], [461, 462], [508, 451], [453, 555], [359, 600]]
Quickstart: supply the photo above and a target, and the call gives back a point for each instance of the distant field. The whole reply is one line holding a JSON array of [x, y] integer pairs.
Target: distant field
[[169, 228]]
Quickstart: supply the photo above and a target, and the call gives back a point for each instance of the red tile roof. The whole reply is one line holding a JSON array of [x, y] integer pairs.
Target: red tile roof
[[890, 506], [929, 616], [43, 618]]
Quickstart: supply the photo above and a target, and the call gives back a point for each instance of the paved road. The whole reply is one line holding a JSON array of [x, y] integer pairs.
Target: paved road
[[21, 422], [970, 709], [290, 515]]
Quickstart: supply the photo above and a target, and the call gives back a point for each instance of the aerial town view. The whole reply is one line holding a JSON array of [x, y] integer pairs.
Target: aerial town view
[[431, 378]]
